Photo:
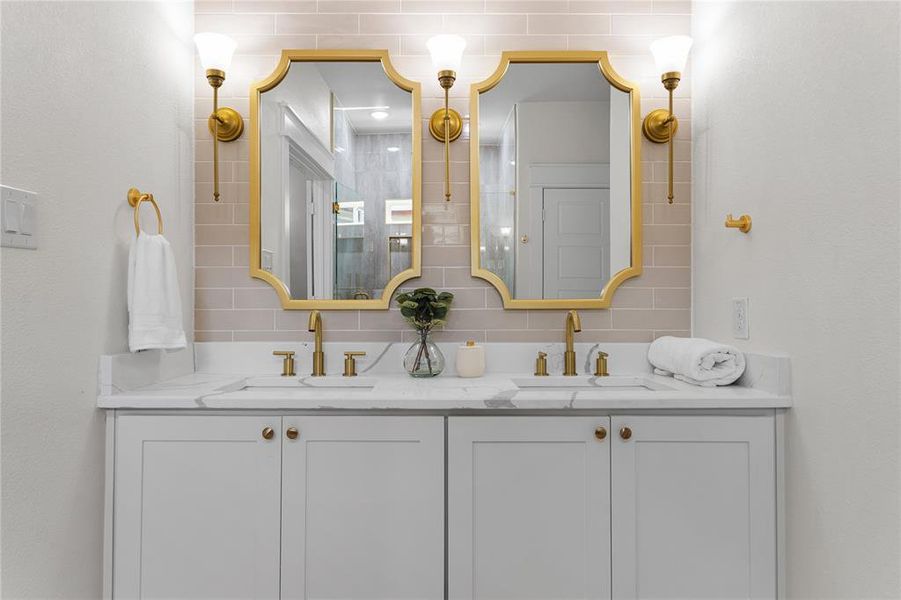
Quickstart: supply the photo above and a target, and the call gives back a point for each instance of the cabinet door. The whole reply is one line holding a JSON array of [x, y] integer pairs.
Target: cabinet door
[[196, 507], [528, 507], [363, 508], [694, 507]]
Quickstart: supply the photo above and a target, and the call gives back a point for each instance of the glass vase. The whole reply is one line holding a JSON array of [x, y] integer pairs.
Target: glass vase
[[423, 358]]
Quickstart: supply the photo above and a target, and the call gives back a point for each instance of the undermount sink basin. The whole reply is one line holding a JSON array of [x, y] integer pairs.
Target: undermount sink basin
[[309, 383], [594, 384]]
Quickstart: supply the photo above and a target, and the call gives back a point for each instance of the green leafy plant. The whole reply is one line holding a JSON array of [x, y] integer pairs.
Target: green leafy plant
[[424, 308]]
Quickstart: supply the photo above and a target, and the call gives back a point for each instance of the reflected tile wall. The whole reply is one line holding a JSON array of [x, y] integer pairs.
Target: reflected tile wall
[[229, 305]]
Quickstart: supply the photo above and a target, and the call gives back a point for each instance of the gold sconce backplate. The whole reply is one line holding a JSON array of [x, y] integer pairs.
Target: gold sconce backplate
[[231, 125], [436, 124], [656, 128]]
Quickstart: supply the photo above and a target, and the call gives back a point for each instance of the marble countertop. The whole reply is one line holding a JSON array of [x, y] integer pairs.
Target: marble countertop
[[401, 392], [240, 376]]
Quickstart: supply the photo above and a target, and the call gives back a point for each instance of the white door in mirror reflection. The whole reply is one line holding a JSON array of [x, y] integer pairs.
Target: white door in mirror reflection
[[566, 218], [576, 242], [554, 149]]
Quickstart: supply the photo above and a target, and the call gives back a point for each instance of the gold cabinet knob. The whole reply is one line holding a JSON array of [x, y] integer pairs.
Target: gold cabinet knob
[[600, 433], [625, 433], [292, 433], [268, 433]]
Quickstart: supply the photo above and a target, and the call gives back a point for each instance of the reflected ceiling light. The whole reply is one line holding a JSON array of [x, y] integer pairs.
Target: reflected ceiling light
[[339, 149], [505, 231], [392, 149], [446, 125], [362, 107], [379, 115], [660, 126], [225, 123]]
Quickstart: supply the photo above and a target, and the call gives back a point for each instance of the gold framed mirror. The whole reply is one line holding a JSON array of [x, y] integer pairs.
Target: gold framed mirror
[[335, 179], [555, 176]]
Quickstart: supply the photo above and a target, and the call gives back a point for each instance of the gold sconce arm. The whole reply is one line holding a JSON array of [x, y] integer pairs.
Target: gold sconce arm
[[446, 125], [660, 125], [743, 223], [216, 50], [447, 192], [225, 124]]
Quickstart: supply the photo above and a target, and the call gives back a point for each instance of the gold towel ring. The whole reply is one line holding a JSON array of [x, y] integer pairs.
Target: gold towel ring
[[135, 198]]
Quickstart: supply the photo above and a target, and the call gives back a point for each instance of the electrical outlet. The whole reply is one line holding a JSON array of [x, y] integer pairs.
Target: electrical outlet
[[741, 326], [266, 258]]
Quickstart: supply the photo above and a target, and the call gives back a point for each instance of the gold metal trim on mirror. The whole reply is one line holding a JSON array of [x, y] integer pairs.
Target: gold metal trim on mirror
[[256, 270], [561, 56]]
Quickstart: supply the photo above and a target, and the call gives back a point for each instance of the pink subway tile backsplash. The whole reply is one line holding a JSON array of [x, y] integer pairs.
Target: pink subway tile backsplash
[[321, 23], [230, 306], [359, 6], [569, 24], [442, 6], [275, 6], [486, 24]]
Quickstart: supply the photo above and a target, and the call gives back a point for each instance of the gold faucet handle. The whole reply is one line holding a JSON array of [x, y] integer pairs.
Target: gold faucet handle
[[287, 362], [600, 367], [541, 365], [350, 363]]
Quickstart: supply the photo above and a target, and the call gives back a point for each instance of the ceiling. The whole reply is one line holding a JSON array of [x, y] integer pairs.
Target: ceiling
[[365, 84], [537, 82]]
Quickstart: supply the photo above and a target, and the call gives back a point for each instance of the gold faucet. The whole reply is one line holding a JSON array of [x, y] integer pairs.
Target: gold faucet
[[315, 326], [573, 325]]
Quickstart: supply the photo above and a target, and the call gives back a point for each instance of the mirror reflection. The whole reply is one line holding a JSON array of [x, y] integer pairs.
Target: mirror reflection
[[336, 180], [555, 180]]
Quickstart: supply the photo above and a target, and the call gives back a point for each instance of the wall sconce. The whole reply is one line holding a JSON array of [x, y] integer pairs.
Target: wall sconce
[[225, 123], [446, 124], [660, 126]]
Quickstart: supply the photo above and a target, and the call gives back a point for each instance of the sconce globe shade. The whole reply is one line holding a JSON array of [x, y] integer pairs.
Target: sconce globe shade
[[671, 53], [215, 50], [446, 51]]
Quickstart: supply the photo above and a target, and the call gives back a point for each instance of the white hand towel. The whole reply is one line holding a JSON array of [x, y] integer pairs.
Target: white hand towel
[[696, 360], [154, 303]]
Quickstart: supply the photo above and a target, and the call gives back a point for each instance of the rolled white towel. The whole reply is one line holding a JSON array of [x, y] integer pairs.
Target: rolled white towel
[[696, 360]]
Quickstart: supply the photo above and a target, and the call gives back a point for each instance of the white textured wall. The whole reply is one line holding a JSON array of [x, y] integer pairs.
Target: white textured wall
[[97, 97], [796, 122]]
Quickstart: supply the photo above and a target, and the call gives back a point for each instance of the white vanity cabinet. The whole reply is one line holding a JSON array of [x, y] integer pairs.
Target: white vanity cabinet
[[196, 507], [528, 507], [488, 506], [694, 506], [229, 506], [672, 506], [363, 508]]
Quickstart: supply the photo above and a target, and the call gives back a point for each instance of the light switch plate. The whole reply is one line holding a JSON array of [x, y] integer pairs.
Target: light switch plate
[[741, 326], [18, 212]]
